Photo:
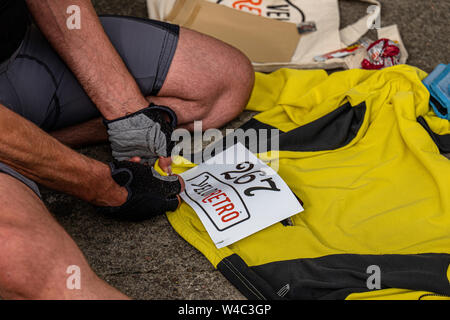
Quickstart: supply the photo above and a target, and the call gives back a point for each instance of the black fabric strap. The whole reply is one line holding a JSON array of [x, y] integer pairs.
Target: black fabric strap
[[442, 141], [172, 115]]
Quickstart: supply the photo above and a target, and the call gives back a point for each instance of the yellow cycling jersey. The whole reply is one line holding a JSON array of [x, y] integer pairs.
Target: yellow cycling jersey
[[363, 150]]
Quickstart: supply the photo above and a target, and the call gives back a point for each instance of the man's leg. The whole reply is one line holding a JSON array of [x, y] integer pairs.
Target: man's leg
[[83, 134], [35, 251], [208, 80]]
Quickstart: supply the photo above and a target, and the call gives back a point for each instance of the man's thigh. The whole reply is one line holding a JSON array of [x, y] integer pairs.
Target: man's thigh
[[38, 85], [26, 229], [35, 251], [24, 215], [31, 185]]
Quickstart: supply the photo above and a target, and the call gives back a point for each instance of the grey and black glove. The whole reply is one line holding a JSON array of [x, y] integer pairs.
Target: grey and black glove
[[145, 134], [149, 193]]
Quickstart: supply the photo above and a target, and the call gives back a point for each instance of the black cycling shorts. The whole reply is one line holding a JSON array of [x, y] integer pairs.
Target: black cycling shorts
[[37, 84]]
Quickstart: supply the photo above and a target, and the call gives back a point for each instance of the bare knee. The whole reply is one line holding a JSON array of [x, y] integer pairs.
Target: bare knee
[[208, 79], [228, 82], [242, 81], [233, 86]]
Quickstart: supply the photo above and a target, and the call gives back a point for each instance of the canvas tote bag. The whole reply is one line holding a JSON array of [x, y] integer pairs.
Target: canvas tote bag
[[263, 40], [324, 13]]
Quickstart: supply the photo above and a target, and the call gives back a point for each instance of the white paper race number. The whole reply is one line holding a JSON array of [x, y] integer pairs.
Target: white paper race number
[[235, 195]]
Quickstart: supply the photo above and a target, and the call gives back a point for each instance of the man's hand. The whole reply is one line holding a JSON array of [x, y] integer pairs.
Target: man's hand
[[52, 164], [145, 134], [149, 193]]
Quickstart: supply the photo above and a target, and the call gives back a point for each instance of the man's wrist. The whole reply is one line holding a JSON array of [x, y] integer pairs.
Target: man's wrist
[[125, 109], [104, 191]]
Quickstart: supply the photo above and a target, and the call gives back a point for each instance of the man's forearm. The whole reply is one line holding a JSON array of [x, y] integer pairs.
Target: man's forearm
[[38, 156], [90, 55]]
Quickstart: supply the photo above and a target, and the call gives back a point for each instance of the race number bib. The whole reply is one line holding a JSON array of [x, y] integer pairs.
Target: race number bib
[[235, 195]]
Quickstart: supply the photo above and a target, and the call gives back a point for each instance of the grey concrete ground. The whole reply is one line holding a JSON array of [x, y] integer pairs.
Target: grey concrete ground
[[149, 260]]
